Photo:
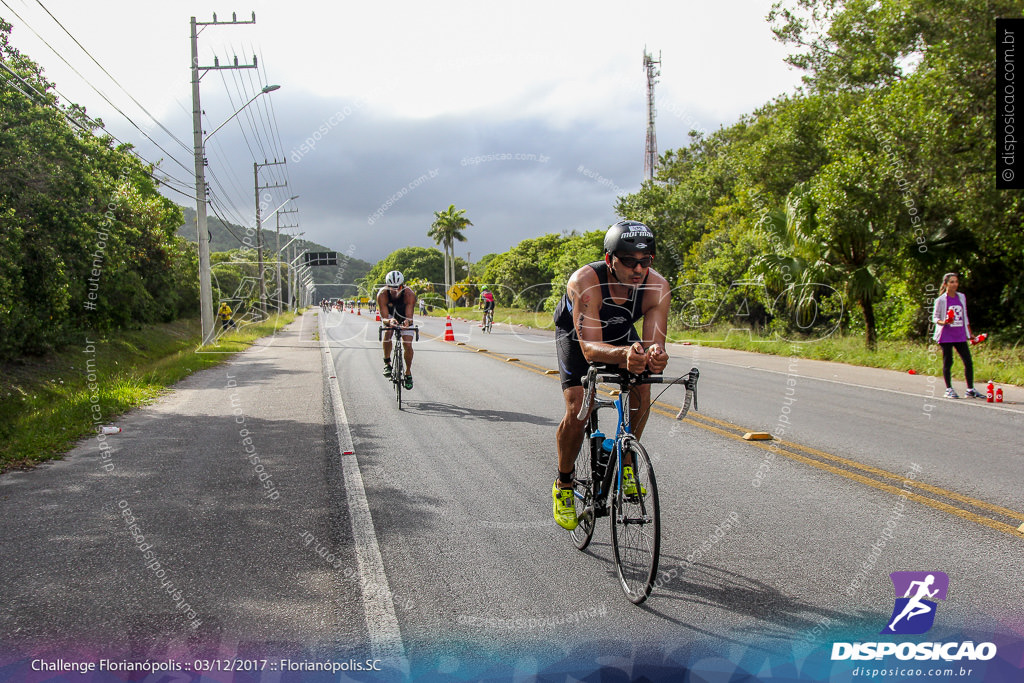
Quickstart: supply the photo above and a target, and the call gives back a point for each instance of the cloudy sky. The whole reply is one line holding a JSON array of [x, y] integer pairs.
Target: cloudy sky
[[528, 115]]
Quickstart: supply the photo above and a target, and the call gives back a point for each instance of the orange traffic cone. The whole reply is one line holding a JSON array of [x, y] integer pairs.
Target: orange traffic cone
[[359, 311], [378, 316], [449, 333]]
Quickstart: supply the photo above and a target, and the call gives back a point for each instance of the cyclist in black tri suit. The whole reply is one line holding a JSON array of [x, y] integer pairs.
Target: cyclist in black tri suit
[[397, 302], [594, 323]]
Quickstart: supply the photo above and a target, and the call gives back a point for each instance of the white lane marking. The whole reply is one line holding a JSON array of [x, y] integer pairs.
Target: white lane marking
[[378, 607]]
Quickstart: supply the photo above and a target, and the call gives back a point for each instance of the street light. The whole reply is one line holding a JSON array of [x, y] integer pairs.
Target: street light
[[199, 144], [278, 213], [264, 91]]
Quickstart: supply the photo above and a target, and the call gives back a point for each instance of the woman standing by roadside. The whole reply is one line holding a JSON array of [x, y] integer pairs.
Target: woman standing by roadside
[[952, 330]]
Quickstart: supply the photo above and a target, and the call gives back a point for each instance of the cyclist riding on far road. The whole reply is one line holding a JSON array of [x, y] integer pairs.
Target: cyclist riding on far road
[[398, 303], [594, 323], [487, 300]]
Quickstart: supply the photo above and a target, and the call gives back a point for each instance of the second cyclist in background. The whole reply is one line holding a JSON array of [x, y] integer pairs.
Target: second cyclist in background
[[487, 301], [397, 303]]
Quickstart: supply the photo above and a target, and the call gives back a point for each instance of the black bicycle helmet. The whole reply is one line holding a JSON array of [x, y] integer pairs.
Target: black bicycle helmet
[[629, 236]]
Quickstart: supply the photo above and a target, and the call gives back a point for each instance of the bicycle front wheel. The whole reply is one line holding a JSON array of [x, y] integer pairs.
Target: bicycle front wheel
[[396, 370], [583, 491], [636, 527]]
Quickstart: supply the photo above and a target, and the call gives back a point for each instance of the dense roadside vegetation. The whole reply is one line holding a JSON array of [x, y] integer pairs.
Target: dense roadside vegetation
[[87, 242]]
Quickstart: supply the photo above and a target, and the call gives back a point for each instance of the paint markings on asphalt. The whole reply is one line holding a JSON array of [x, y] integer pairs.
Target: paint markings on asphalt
[[378, 607], [933, 496]]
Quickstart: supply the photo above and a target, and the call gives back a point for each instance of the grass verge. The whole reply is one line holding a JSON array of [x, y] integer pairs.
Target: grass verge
[[49, 403]]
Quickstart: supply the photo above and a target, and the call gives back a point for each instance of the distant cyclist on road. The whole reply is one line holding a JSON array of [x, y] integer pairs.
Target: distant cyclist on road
[[487, 301], [397, 303], [594, 323]]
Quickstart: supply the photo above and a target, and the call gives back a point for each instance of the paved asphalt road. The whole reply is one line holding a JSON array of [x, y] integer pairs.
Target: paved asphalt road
[[434, 540]]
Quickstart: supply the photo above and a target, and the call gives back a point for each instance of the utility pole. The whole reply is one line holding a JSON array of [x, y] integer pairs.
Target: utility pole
[[205, 287], [280, 292], [651, 146], [259, 225]]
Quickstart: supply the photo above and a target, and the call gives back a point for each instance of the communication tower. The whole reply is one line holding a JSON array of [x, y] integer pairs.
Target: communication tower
[[651, 147]]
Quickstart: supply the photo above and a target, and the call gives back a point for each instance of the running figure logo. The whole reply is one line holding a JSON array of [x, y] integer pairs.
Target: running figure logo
[[913, 612]]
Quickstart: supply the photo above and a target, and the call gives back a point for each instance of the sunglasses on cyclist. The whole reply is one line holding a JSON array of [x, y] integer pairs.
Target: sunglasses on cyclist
[[631, 262]]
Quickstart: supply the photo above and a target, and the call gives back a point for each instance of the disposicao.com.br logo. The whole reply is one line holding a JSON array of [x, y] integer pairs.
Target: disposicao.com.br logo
[[914, 613]]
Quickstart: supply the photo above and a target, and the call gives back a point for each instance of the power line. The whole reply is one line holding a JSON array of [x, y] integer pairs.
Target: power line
[[89, 131], [130, 96], [277, 128], [264, 120], [231, 101], [244, 94], [224, 222], [97, 90], [217, 152]]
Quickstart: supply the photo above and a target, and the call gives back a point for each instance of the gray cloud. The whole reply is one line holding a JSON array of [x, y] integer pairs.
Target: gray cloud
[[374, 181]]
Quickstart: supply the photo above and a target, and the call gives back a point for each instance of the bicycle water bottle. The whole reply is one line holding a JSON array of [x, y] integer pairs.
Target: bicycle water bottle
[[597, 439]]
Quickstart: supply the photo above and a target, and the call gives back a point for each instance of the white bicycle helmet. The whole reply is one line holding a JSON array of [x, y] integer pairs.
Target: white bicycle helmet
[[394, 279]]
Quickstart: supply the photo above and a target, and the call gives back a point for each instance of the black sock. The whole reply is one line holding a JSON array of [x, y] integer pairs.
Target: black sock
[[566, 477]]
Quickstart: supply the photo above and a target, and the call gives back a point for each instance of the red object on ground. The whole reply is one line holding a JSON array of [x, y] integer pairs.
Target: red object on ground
[[999, 395], [449, 333], [911, 372], [989, 392], [949, 315], [378, 316]]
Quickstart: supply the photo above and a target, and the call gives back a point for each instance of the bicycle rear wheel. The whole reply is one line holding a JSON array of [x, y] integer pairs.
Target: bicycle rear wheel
[[583, 490], [636, 527]]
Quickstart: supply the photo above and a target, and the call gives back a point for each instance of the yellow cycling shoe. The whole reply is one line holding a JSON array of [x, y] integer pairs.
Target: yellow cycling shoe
[[564, 507], [629, 483]]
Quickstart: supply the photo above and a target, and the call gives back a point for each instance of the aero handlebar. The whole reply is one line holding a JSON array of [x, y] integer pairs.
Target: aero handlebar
[[627, 380]]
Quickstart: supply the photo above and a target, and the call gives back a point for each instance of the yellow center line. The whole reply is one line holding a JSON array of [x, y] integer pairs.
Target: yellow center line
[[787, 449], [1006, 512]]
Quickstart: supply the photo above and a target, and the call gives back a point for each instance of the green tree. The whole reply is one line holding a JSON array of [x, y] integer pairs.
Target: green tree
[[415, 263], [927, 67], [522, 276]]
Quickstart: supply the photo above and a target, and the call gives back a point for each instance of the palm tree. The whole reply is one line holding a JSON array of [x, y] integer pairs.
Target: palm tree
[[809, 255], [446, 228]]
